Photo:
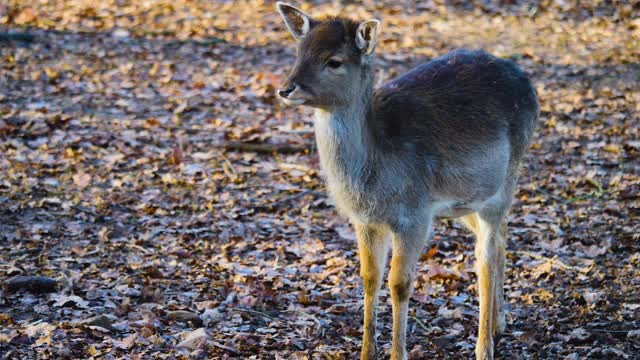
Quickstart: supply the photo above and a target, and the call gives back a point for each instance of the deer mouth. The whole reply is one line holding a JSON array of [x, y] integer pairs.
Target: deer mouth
[[293, 101]]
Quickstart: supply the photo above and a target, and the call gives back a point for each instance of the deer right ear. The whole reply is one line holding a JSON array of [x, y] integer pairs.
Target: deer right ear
[[367, 36], [297, 21]]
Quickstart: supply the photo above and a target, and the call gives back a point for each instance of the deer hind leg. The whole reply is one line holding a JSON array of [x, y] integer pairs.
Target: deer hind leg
[[407, 245], [373, 245], [499, 321], [489, 252]]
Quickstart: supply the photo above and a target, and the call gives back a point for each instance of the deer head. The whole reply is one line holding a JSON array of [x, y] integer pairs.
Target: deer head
[[333, 61]]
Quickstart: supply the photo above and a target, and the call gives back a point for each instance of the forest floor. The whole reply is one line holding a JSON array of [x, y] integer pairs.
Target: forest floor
[[127, 184]]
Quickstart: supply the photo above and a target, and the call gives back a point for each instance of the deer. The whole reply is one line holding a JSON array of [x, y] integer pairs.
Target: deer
[[444, 140]]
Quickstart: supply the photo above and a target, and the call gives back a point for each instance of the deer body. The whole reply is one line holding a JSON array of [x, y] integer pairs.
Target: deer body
[[444, 140], [383, 156]]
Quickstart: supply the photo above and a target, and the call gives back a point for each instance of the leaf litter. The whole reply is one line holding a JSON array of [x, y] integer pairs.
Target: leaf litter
[[173, 208]]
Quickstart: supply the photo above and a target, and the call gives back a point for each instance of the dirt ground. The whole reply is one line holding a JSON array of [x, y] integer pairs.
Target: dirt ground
[[126, 182]]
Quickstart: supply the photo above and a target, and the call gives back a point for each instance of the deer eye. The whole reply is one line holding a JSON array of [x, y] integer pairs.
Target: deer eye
[[334, 63]]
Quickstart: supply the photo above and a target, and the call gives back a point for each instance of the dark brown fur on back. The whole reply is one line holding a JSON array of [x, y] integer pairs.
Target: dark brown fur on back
[[453, 103]]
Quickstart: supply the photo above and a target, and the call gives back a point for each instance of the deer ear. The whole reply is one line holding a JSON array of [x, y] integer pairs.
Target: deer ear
[[367, 36], [297, 21]]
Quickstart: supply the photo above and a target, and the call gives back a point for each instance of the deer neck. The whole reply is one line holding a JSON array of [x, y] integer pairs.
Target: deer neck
[[345, 140]]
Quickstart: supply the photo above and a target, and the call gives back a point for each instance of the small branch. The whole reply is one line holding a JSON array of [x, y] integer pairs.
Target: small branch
[[262, 148], [422, 325], [351, 340], [224, 347], [611, 331], [251, 311], [299, 167], [319, 330], [308, 316], [229, 170], [17, 36], [285, 201], [555, 261], [208, 41], [139, 248], [85, 210], [34, 284]]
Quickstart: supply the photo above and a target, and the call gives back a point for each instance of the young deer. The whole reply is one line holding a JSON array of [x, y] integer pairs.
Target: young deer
[[444, 140]]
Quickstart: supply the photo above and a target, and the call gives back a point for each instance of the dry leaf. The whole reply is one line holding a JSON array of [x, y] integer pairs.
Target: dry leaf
[[82, 179], [126, 343]]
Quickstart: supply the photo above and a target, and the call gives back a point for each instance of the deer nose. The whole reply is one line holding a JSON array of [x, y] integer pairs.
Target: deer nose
[[287, 91]]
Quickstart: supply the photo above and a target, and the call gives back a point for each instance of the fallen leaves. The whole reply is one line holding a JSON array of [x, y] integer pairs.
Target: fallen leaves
[[579, 335], [100, 322], [25, 16], [6, 336], [61, 300], [185, 317], [41, 332], [150, 174]]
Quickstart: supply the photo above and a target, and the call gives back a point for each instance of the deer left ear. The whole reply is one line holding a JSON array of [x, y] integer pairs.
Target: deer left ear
[[367, 36], [296, 20]]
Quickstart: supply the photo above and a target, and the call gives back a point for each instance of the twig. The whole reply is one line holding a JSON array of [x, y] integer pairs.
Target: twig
[[34, 284], [278, 204], [320, 330], [611, 331], [257, 312], [351, 340], [17, 36], [300, 312], [139, 248], [308, 316], [85, 210], [262, 148], [224, 347], [422, 325], [229, 170], [299, 167], [201, 42], [554, 261]]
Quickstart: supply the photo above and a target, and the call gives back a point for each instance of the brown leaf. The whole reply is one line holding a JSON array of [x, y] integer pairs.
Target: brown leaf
[[176, 156], [195, 339], [438, 272], [543, 269], [40, 329], [417, 353], [449, 313], [25, 16], [82, 179], [429, 254], [127, 342]]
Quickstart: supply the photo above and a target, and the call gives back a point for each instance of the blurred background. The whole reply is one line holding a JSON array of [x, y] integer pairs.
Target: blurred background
[[157, 201]]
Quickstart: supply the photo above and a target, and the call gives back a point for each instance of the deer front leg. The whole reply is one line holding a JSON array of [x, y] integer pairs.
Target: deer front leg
[[407, 245], [373, 246]]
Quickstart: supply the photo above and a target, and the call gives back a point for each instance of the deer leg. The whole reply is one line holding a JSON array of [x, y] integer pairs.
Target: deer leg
[[406, 246], [488, 269], [373, 247], [499, 322]]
